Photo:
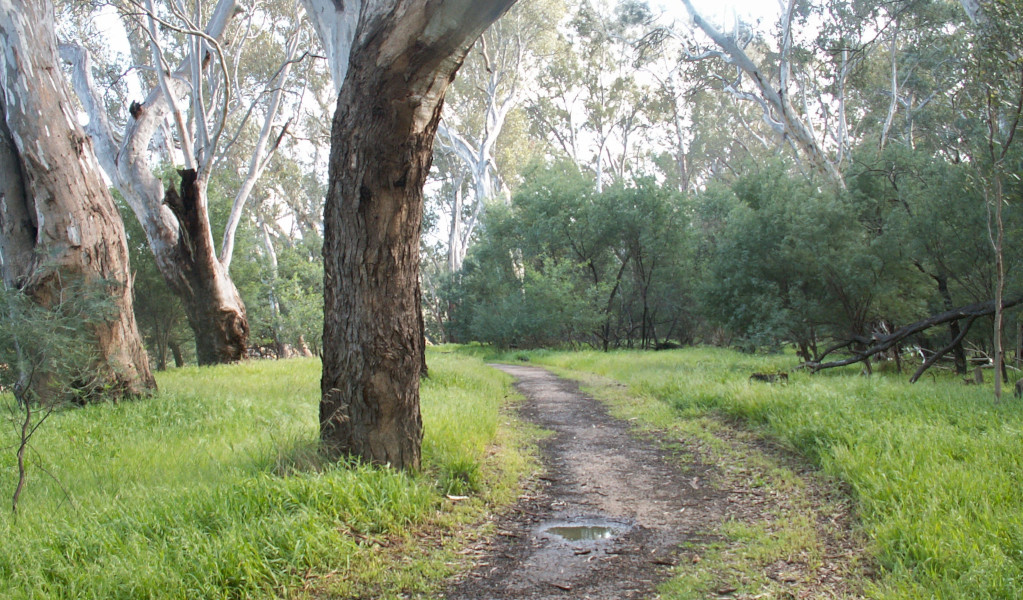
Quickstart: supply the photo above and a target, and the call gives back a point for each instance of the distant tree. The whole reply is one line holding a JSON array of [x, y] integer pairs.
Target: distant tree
[[589, 104], [653, 241], [796, 264], [617, 261], [997, 86], [492, 83], [215, 91]]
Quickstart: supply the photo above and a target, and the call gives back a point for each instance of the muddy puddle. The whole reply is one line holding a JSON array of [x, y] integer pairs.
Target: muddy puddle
[[594, 530]]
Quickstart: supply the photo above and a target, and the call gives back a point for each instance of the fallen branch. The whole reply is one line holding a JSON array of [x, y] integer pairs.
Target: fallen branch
[[881, 343], [940, 353]]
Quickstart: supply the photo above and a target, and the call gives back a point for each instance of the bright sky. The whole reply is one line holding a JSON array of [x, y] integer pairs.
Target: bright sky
[[723, 12]]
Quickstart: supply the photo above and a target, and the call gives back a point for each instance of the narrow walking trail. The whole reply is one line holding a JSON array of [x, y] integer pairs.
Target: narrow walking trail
[[600, 482], [613, 512]]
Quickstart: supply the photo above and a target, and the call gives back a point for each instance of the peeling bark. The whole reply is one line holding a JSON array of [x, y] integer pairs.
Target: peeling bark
[[55, 204], [176, 222], [404, 57]]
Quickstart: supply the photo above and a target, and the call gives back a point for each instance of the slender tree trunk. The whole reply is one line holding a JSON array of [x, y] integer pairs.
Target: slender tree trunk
[[958, 354], [894, 103], [456, 253], [64, 214], [179, 358], [999, 281], [404, 56], [1019, 342]]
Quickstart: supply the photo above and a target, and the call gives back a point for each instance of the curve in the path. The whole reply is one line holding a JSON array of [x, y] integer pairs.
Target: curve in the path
[[597, 474]]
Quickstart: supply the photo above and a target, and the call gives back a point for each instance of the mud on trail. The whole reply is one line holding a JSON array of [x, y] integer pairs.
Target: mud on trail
[[613, 512]]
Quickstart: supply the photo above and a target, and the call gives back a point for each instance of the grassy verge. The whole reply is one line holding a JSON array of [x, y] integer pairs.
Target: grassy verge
[[214, 489], [934, 468]]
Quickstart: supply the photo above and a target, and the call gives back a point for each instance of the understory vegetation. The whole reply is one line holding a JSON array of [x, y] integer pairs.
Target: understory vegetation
[[767, 261], [215, 489], [933, 468]]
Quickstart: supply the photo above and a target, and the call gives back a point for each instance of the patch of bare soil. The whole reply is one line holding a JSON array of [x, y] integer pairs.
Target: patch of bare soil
[[639, 510]]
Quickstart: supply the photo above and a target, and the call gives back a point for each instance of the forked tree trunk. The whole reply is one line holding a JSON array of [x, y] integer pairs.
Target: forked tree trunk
[[212, 303], [404, 56], [57, 218], [176, 222]]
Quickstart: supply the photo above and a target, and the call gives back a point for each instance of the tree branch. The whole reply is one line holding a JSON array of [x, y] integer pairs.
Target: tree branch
[[882, 343]]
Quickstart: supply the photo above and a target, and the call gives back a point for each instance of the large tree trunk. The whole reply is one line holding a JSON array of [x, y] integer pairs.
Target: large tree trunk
[[57, 217], [214, 307], [404, 56], [176, 222]]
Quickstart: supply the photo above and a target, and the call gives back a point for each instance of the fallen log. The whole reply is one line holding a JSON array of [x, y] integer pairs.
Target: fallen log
[[877, 344]]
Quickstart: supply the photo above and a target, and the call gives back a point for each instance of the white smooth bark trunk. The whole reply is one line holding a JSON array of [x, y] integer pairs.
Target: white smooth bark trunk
[[177, 226], [777, 107], [335, 22]]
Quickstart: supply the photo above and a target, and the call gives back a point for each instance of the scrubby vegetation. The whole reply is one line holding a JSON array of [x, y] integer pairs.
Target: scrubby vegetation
[[215, 489]]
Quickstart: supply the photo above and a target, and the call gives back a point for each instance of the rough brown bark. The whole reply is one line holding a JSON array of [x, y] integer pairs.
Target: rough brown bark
[[404, 56], [212, 303], [64, 212]]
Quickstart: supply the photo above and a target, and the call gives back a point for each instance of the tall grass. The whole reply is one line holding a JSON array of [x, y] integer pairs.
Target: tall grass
[[936, 467], [214, 489]]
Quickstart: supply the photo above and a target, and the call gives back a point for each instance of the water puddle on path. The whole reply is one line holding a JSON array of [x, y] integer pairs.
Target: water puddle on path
[[582, 533], [584, 530]]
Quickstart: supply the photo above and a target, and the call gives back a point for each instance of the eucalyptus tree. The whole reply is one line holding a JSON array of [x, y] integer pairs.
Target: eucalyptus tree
[[680, 86], [392, 61], [773, 85], [492, 82], [589, 104], [59, 227], [996, 87], [199, 112]]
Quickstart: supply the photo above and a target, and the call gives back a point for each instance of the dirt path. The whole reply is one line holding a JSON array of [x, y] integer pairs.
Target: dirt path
[[598, 475], [639, 502]]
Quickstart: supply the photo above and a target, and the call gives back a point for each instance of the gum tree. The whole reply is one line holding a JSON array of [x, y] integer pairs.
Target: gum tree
[[400, 58], [198, 110], [58, 222]]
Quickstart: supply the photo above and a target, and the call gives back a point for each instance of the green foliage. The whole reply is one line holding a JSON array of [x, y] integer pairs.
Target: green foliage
[[48, 352], [285, 305], [933, 467], [564, 264], [795, 263], [212, 489]]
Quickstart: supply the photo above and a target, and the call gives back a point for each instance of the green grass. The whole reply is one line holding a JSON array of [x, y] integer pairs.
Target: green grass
[[934, 468], [214, 489]]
